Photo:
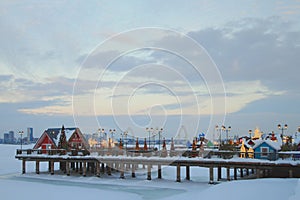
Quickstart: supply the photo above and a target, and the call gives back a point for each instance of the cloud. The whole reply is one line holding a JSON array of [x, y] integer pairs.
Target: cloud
[[264, 49], [256, 57]]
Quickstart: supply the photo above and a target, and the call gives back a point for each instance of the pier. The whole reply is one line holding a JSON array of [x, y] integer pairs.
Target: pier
[[105, 162]]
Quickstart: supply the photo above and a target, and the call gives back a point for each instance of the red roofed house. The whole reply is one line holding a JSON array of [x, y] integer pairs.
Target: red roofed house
[[61, 138], [77, 140]]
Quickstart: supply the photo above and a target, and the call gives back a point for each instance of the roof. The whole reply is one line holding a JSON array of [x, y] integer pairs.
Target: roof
[[54, 134], [68, 133], [84, 141], [274, 145], [246, 143]]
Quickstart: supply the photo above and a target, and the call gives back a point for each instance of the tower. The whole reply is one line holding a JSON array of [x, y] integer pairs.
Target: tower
[[29, 135]]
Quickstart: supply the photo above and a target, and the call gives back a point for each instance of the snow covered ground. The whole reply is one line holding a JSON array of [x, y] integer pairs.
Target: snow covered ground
[[14, 185]]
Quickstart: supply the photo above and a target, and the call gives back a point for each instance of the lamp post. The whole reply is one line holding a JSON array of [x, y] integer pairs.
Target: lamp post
[[282, 129], [250, 132], [228, 129], [21, 133], [104, 134], [296, 135], [220, 138], [112, 132], [149, 130], [125, 133], [159, 132]]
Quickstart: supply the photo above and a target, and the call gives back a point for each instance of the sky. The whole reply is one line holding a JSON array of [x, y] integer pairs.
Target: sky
[[132, 65]]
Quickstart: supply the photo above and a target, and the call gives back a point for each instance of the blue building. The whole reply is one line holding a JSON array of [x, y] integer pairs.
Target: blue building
[[266, 149]]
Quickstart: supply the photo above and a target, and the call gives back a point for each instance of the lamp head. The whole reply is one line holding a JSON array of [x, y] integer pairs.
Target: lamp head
[[279, 126]]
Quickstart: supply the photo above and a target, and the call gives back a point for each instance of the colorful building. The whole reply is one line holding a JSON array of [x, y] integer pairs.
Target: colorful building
[[266, 149], [61, 138]]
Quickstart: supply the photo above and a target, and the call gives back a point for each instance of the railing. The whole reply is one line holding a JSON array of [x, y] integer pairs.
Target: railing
[[292, 155], [72, 152]]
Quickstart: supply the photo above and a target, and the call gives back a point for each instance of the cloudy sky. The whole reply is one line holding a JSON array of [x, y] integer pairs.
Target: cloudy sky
[[132, 65]]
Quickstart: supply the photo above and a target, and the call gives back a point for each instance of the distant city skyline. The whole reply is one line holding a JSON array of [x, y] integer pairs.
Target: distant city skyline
[[114, 64]]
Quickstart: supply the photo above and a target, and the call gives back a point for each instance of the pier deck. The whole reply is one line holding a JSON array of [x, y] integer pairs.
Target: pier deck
[[98, 162]]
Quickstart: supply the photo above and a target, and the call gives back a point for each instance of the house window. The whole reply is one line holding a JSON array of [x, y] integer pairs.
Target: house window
[[264, 151]]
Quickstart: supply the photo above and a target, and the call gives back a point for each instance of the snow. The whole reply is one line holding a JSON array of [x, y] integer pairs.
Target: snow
[[14, 185], [68, 133], [276, 145]]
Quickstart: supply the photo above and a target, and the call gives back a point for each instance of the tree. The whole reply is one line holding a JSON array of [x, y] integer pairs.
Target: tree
[[62, 143]]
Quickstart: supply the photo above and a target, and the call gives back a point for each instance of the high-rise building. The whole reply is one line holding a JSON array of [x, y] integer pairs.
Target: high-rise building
[[6, 138], [11, 137], [29, 135]]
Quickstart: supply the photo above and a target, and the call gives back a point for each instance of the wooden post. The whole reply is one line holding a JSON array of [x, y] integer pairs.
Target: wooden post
[[37, 167], [228, 173], [68, 168], [49, 166], [76, 167], [122, 168], [84, 168], [159, 172], [178, 179], [290, 173], [211, 175], [247, 171], [97, 169], [264, 172], [235, 173], [23, 166], [133, 171], [73, 165], [108, 169], [219, 173], [149, 172], [252, 171], [102, 167], [80, 168], [52, 167], [187, 172], [258, 173], [88, 166], [242, 172], [61, 166]]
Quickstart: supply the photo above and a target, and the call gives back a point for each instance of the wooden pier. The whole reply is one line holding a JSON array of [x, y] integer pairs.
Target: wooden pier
[[98, 163]]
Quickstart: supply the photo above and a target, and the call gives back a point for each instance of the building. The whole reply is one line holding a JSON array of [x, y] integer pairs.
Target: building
[[30, 138], [9, 138], [266, 149], [61, 138], [11, 135], [6, 138]]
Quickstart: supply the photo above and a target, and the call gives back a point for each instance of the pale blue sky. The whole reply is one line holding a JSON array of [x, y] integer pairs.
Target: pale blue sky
[[254, 44]]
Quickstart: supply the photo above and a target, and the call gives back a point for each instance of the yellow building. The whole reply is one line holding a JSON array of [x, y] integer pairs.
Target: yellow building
[[243, 150], [257, 133]]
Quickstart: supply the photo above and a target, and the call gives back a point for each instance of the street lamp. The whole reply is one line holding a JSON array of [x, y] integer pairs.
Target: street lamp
[[282, 129], [125, 133], [21, 133], [250, 132], [159, 132], [104, 134], [149, 130], [112, 132], [228, 129], [219, 129]]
